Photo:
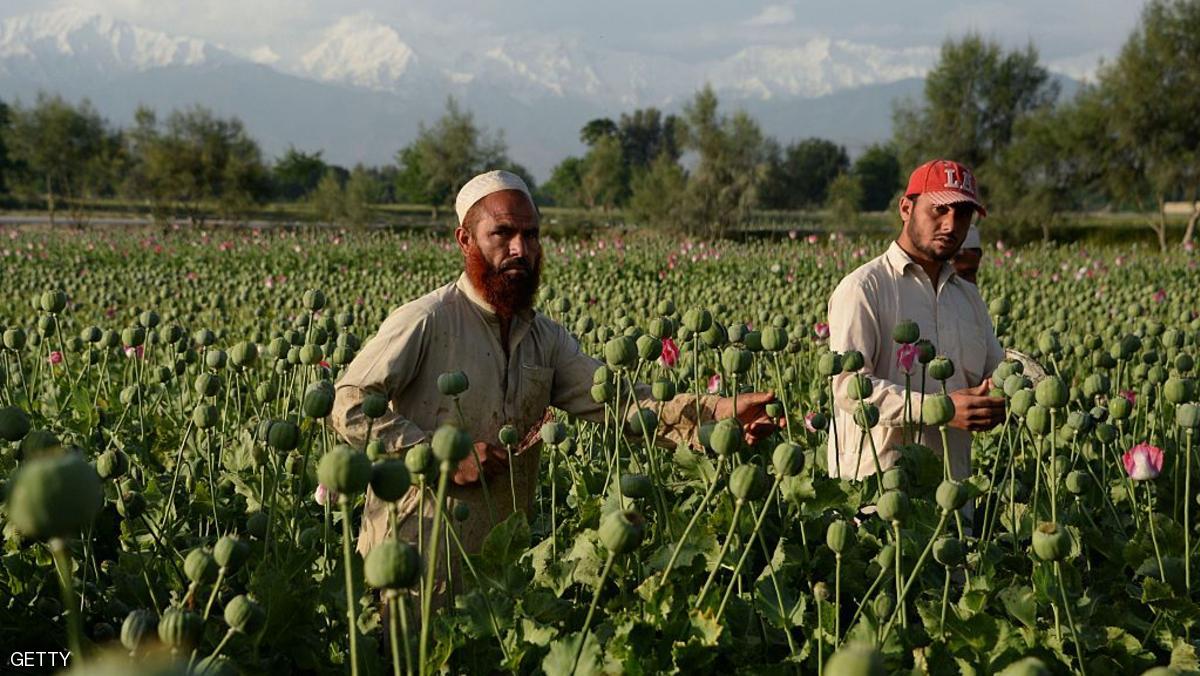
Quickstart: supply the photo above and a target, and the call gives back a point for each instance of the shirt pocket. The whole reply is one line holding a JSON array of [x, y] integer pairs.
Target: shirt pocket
[[533, 395]]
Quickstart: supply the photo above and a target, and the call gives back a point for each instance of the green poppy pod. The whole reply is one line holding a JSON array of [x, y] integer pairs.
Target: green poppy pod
[[1032, 666], [91, 334], [14, 424], [1184, 363], [1037, 418], [1051, 542], [1080, 422], [1048, 343], [666, 307], [927, 352], [884, 604], [1156, 374], [895, 479], [54, 496], [774, 339], [1000, 306], [453, 383], [906, 332], [283, 435], [737, 332], [641, 422], [949, 551], [318, 400], [602, 392], [1119, 408], [753, 341], [893, 506], [137, 627], [46, 328], [856, 659], [886, 558], [256, 525], [553, 433], [838, 536], [1106, 433], [112, 464], [649, 348], [180, 629], [735, 360], [392, 564], [829, 364], [1004, 370], [662, 390], [133, 336], [508, 436], [937, 410], [659, 328], [620, 352], [374, 405], [419, 459], [314, 299], [951, 496], [1096, 385], [941, 368], [622, 531], [38, 443], [1187, 416], [749, 482], [852, 360], [726, 437], [342, 356], [53, 301], [390, 479], [200, 567], [206, 416], [788, 459], [230, 552], [859, 387], [636, 486], [14, 339], [311, 354], [149, 319], [1077, 482], [866, 416], [1177, 390], [207, 384], [345, 470], [602, 374], [450, 444], [697, 320], [244, 615], [774, 410], [715, 337], [1052, 393]]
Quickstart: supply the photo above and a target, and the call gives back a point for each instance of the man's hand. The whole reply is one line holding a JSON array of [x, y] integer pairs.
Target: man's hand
[[751, 413], [493, 459], [974, 410]]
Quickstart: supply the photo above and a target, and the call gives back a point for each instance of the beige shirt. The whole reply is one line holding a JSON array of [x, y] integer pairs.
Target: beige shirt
[[863, 310], [454, 329]]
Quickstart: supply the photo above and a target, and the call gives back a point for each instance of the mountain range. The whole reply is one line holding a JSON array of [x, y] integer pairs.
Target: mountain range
[[360, 92]]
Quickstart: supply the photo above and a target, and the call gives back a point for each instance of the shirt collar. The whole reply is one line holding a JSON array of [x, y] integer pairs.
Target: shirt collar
[[899, 259]]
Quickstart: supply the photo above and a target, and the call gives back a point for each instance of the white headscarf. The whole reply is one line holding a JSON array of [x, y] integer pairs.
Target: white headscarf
[[485, 184]]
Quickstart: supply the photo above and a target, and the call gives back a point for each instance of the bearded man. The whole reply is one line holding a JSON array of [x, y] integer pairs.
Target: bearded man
[[518, 362], [915, 280]]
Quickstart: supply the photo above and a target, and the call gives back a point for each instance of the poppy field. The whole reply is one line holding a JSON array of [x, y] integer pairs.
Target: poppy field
[[176, 501]]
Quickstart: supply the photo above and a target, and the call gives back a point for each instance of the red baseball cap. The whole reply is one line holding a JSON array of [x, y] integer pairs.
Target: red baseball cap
[[945, 182]]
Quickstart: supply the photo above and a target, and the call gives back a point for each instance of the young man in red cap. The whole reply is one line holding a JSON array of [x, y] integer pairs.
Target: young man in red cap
[[915, 280]]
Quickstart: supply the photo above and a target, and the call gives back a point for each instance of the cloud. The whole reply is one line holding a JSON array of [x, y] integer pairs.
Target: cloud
[[263, 54], [772, 15]]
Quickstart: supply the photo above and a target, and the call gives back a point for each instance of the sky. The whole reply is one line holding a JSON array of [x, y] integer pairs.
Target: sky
[[1071, 35]]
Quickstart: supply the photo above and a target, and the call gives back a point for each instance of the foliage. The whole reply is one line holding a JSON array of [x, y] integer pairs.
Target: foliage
[[799, 176], [878, 170]]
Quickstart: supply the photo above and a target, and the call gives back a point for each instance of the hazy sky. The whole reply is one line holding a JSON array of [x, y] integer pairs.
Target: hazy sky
[[1070, 34]]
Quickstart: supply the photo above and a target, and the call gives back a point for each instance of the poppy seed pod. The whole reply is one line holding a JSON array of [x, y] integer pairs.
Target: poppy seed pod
[[726, 437], [649, 348], [392, 564], [748, 482], [859, 387], [949, 551], [345, 470], [838, 536], [735, 360], [927, 351], [374, 405], [697, 321], [852, 360], [450, 444], [244, 615], [452, 384], [937, 410], [893, 506], [829, 364], [788, 459], [941, 368], [856, 659], [390, 479], [906, 332], [951, 495], [508, 436], [1051, 542], [54, 496], [622, 532], [1052, 393], [636, 486]]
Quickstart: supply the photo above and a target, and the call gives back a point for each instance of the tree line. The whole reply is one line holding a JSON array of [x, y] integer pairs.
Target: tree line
[[1130, 140]]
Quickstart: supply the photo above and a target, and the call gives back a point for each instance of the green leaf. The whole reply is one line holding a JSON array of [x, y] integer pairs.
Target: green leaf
[[505, 545], [1183, 657], [705, 627], [560, 661], [1020, 604]]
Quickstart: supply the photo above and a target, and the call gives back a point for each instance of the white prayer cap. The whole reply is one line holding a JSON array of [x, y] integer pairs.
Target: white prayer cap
[[485, 184], [972, 240]]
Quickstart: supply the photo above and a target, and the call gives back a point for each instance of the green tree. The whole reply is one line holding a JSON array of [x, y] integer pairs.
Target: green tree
[[605, 175], [296, 173], [565, 187], [362, 190], [446, 155], [195, 164], [659, 194], [731, 164], [61, 150], [328, 200], [800, 174], [645, 134], [6, 165], [597, 129], [973, 97], [1151, 94], [845, 196], [878, 172]]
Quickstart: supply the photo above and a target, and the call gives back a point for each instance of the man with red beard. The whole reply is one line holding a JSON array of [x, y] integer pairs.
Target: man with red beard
[[518, 363]]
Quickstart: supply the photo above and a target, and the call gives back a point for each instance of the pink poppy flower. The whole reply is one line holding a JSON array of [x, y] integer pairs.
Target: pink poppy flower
[[325, 496], [56, 357], [808, 418], [670, 353], [714, 383], [907, 356], [1160, 296], [1143, 462], [1130, 396], [821, 329], [135, 352]]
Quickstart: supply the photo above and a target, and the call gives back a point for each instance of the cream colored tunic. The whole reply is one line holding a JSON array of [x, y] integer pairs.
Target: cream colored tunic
[[454, 329], [863, 310]]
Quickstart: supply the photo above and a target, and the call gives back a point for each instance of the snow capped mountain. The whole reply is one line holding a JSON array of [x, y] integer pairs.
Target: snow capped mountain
[[816, 68], [39, 45], [360, 51]]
